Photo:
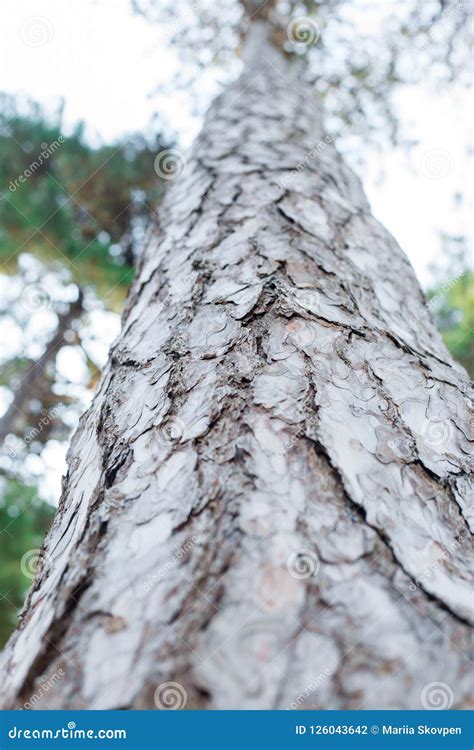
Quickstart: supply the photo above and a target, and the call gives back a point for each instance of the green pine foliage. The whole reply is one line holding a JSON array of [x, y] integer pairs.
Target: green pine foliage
[[24, 520], [71, 204], [453, 307]]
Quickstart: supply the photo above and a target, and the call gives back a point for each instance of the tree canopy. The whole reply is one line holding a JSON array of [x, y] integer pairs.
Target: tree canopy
[[356, 52]]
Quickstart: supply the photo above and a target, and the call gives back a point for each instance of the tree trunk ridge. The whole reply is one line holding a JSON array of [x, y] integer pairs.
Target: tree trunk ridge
[[270, 489]]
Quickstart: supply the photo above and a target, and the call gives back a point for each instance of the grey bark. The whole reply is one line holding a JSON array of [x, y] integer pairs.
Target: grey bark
[[267, 502]]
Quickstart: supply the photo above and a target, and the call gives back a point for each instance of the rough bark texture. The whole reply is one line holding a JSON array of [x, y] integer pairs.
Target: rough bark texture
[[268, 498]]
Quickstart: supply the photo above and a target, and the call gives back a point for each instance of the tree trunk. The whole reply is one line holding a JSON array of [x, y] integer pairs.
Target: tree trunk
[[34, 383], [267, 503]]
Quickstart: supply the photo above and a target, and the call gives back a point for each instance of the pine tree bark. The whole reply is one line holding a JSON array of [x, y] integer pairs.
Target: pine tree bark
[[267, 502]]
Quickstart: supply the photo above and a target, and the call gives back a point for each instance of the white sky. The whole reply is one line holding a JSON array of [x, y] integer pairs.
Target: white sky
[[105, 61]]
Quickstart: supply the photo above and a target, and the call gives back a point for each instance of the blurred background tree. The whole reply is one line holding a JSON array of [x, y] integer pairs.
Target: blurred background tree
[[451, 298], [72, 220], [24, 519]]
